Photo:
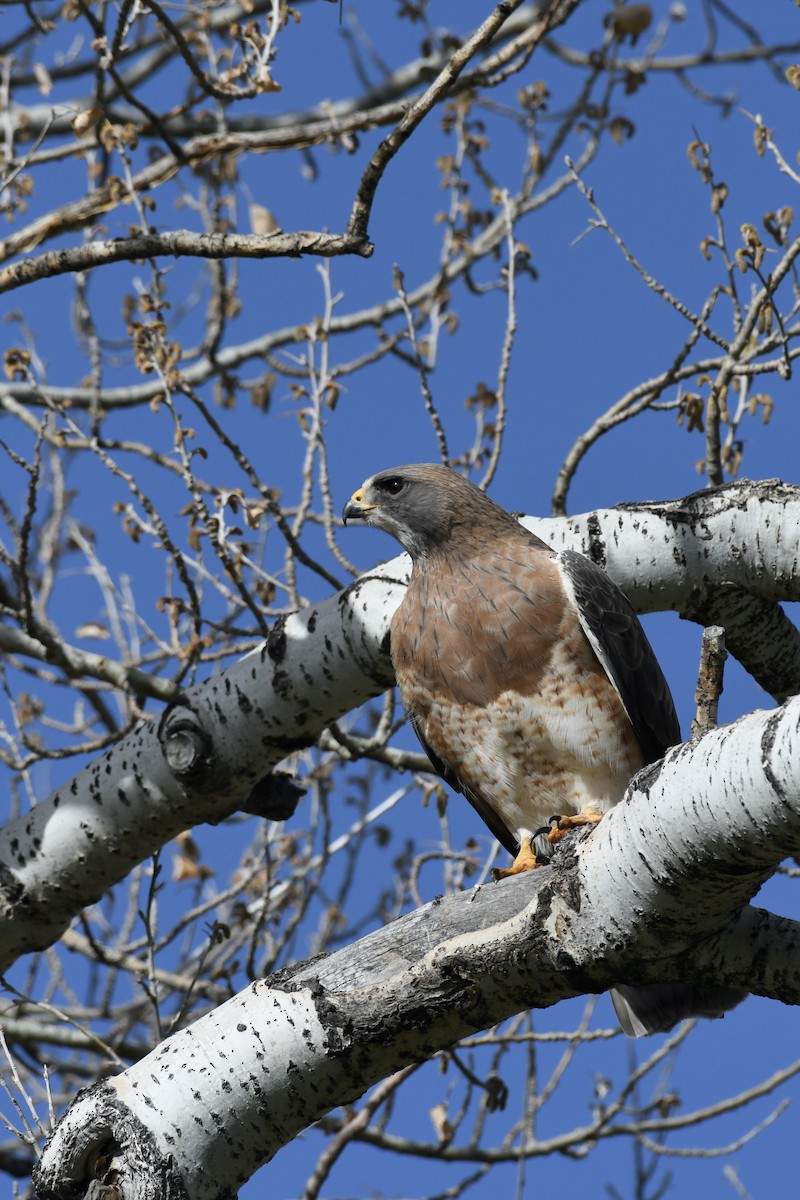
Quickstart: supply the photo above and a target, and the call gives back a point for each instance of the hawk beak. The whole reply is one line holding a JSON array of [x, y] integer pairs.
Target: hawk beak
[[356, 509]]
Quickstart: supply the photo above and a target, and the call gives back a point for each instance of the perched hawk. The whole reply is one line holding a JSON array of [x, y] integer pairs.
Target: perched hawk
[[527, 678]]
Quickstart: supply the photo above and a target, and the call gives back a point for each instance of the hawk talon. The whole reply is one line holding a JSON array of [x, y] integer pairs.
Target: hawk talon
[[527, 860], [563, 825], [541, 845], [555, 829]]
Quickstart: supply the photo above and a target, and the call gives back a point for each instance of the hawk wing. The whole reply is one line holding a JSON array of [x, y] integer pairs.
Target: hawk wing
[[618, 640], [488, 815]]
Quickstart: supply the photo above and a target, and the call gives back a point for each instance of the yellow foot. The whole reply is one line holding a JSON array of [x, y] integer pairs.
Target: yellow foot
[[589, 816], [525, 861]]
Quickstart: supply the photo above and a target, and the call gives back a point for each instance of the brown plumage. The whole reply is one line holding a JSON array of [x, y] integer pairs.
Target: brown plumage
[[525, 673], [495, 668], [504, 688]]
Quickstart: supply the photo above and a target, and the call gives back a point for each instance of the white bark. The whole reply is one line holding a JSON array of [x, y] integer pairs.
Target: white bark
[[199, 762], [741, 534], [659, 891], [203, 758]]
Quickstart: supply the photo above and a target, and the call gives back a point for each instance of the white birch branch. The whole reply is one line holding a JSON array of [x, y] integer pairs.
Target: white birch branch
[[206, 754], [659, 891], [723, 556]]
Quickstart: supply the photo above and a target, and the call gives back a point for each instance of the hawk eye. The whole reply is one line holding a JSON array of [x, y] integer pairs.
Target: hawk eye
[[393, 485]]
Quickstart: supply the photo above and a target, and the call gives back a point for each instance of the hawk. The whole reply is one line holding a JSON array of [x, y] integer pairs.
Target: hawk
[[527, 678]]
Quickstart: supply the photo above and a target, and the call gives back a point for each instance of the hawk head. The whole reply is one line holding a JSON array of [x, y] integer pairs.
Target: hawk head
[[422, 506]]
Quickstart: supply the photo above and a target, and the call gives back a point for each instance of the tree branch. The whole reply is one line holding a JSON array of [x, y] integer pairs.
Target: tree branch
[[201, 761], [362, 205], [180, 243], [659, 891]]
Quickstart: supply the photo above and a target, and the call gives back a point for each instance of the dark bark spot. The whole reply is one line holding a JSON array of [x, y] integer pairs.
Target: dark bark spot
[[287, 744], [11, 887], [767, 746], [276, 641], [597, 546]]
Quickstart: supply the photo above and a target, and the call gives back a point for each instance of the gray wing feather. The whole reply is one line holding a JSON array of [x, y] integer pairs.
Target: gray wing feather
[[627, 657], [625, 654]]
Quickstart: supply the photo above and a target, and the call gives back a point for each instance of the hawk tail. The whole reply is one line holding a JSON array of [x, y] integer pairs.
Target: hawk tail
[[658, 1007]]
